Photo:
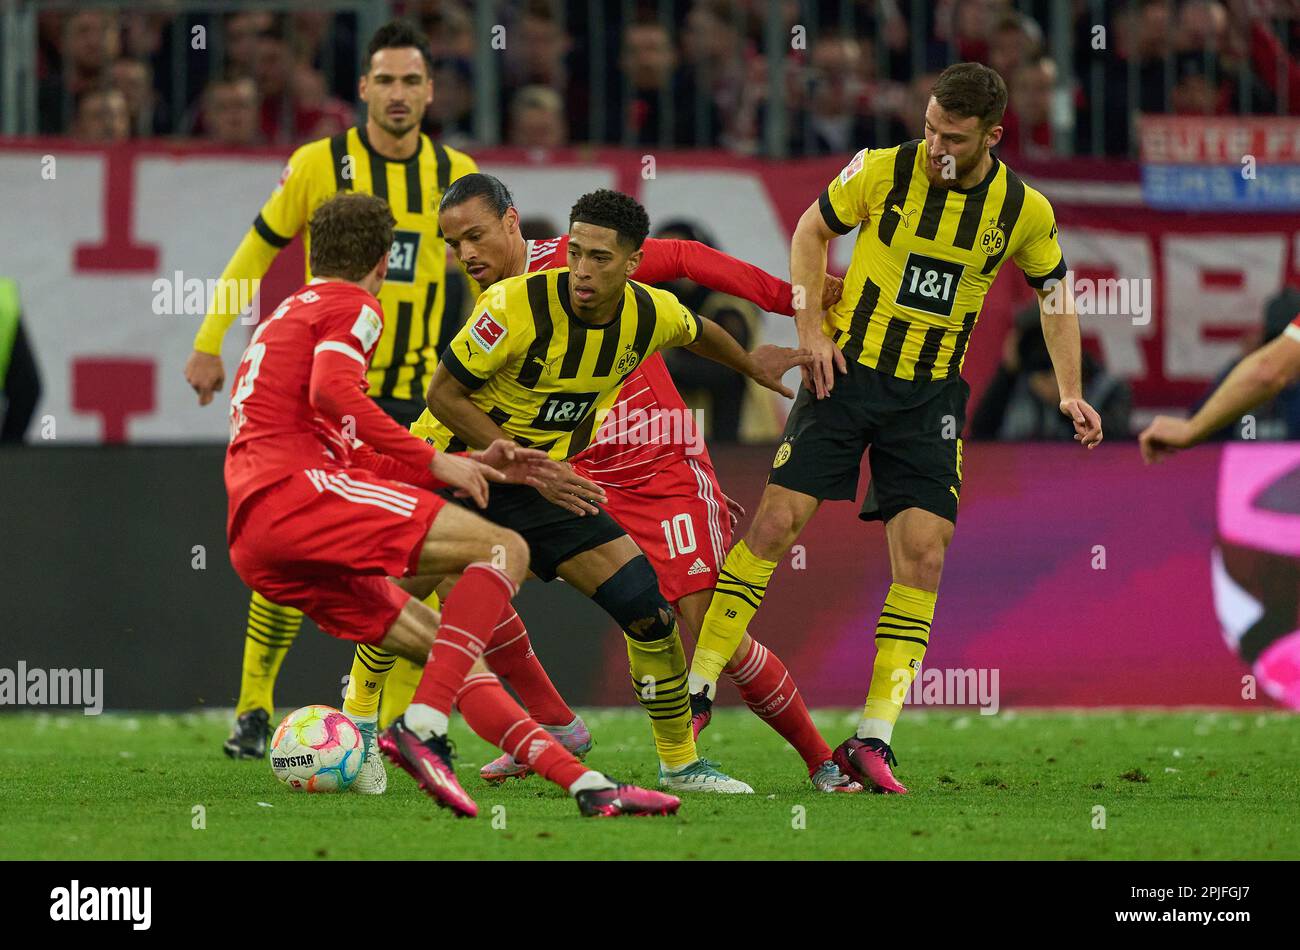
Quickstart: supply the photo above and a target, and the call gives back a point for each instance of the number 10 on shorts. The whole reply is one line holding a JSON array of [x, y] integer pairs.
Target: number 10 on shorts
[[680, 534]]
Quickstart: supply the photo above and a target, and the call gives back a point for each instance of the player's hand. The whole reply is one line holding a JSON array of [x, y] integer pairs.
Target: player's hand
[[1087, 424], [205, 374], [519, 465], [827, 359], [1163, 437], [572, 492], [734, 510], [772, 362], [468, 476], [832, 290]]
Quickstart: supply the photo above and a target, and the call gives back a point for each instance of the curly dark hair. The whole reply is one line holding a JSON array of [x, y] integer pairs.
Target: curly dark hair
[[400, 34], [972, 89], [349, 233], [614, 210], [478, 185]]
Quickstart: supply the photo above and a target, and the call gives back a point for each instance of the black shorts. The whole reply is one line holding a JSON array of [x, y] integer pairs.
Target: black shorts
[[403, 411], [913, 430], [553, 534]]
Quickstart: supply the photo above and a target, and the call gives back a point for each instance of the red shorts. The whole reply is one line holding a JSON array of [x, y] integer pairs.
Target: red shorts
[[326, 540], [679, 519]]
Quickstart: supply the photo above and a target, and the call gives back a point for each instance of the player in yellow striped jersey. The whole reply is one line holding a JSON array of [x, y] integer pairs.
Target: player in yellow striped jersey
[[389, 158], [936, 218]]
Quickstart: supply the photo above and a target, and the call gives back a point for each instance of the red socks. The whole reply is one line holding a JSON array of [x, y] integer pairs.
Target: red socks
[[516, 663], [766, 687], [471, 612], [496, 717]]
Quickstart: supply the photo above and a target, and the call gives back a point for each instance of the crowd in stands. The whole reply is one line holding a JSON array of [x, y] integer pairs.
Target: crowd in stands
[[675, 73]]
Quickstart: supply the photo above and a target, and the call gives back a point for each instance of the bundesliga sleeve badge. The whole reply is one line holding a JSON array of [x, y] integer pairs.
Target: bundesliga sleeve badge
[[367, 328], [487, 333]]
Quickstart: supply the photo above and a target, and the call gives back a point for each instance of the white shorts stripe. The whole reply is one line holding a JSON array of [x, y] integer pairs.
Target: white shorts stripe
[[714, 509], [397, 497], [354, 490], [347, 495]]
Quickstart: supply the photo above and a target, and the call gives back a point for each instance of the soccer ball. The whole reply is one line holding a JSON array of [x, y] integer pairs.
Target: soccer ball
[[317, 749]]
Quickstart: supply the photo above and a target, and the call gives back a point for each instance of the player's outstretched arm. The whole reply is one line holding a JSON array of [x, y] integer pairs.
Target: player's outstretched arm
[[1061, 333], [765, 366], [666, 259], [808, 248], [1255, 380]]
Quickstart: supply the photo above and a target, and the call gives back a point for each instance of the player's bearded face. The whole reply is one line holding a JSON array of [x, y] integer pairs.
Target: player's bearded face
[[954, 146], [397, 89], [599, 266]]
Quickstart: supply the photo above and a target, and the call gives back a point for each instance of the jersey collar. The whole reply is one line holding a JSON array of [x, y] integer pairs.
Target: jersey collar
[[562, 289], [365, 141]]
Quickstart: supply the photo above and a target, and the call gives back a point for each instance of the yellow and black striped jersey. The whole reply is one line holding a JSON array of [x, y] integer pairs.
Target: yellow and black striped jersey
[[543, 375], [925, 257], [414, 293]]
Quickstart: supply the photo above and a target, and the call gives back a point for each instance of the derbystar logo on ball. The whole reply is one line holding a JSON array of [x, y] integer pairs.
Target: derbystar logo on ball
[[486, 332]]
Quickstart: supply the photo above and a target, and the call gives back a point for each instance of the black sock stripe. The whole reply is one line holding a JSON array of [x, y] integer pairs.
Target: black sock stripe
[[726, 575], [917, 620], [269, 644], [660, 685], [270, 616], [671, 715], [733, 593], [902, 626], [894, 636]]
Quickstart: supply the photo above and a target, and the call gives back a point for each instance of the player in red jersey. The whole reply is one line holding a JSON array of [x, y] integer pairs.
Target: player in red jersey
[[329, 498], [647, 465]]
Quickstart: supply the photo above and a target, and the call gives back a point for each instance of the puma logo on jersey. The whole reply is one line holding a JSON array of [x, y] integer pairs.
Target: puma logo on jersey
[[905, 215], [699, 567]]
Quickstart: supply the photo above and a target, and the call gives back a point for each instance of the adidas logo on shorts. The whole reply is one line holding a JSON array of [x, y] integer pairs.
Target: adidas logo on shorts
[[699, 567]]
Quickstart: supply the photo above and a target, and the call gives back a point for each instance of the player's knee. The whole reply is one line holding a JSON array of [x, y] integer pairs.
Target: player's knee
[[631, 596], [775, 528], [510, 555], [922, 563]]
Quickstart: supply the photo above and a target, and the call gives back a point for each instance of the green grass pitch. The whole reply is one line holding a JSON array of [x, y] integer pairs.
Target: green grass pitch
[[1195, 785]]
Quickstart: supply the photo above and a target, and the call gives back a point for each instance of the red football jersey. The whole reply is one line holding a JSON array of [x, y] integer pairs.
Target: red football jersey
[[274, 428], [650, 425]]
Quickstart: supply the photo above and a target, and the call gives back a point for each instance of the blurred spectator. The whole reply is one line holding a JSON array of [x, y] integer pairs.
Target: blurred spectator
[[537, 119], [1279, 419], [647, 62], [88, 43], [295, 105], [450, 30], [714, 85], [450, 117], [1198, 86], [134, 79], [1027, 123], [230, 114], [20, 380], [242, 39], [734, 410], [1016, 40], [102, 116], [833, 121], [539, 49], [1022, 403]]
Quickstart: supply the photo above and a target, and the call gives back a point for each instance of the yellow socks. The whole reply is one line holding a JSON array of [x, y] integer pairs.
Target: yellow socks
[[271, 631], [399, 690], [902, 635], [370, 669], [403, 677], [659, 678], [742, 582]]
